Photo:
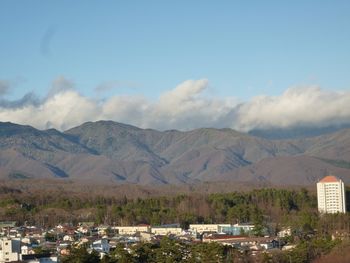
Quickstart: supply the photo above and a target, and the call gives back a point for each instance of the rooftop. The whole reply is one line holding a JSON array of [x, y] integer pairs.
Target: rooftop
[[330, 179]]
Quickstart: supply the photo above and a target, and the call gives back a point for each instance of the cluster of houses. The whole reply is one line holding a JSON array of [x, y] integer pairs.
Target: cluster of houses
[[33, 244]]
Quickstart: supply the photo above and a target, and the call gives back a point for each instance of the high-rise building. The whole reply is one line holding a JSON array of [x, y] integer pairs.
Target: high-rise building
[[331, 195]]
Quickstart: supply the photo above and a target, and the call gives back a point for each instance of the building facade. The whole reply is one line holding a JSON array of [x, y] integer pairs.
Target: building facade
[[132, 230], [331, 195], [10, 249], [236, 229], [201, 228], [163, 231]]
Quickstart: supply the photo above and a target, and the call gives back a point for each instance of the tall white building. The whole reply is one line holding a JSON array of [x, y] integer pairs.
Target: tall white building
[[331, 195]]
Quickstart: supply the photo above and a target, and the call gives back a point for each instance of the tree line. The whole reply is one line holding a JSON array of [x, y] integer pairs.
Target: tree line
[[270, 207], [48, 209]]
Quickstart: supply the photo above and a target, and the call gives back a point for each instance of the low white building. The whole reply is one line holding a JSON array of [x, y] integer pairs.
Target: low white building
[[132, 230], [26, 240], [25, 250], [267, 245], [85, 227], [145, 237], [236, 229], [288, 247], [200, 228], [285, 232], [68, 238], [103, 230], [164, 231]]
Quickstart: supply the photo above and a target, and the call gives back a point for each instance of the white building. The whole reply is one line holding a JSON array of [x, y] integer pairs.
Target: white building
[[285, 232], [10, 249], [236, 229], [200, 228], [331, 195], [101, 245], [163, 231], [132, 230]]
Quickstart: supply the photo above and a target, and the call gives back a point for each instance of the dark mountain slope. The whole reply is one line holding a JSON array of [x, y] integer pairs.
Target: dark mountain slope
[[110, 152], [297, 132], [334, 146]]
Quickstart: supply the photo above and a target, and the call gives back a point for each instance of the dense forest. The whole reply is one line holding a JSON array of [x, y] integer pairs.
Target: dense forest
[[50, 208]]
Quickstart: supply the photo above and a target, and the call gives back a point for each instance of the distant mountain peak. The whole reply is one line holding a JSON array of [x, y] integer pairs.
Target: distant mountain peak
[[112, 152]]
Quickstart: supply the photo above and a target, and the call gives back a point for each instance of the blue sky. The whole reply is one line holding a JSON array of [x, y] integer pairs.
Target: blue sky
[[146, 48]]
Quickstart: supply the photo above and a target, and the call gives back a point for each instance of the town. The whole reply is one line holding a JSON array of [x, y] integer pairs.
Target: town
[[35, 244], [28, 243]]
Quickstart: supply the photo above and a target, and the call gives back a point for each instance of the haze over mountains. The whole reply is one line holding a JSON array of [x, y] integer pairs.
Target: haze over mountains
[[109, 152]]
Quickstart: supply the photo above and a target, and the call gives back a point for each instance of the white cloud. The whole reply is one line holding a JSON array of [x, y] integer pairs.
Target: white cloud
[[184, 107], [61, 111], [299, 106]]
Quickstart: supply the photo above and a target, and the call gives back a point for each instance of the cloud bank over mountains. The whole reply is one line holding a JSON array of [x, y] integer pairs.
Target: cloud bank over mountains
[[184, 107]]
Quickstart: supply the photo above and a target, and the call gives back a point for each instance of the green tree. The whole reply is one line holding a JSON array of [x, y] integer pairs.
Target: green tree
[[121, 255], [81, 255], [144, 252], [207, 252], [169, 251]]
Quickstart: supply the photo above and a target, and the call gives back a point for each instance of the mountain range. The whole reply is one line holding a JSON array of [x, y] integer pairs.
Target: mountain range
[[108, 152]]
